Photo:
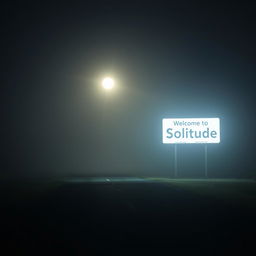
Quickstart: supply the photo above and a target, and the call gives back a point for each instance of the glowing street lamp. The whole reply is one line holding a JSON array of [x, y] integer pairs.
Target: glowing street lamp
[[108, 83]]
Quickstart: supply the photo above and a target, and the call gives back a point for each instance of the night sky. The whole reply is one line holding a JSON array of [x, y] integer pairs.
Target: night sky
[[169, 60]]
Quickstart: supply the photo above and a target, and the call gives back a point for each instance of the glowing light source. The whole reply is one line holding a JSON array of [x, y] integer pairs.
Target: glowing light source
[[108, 83]]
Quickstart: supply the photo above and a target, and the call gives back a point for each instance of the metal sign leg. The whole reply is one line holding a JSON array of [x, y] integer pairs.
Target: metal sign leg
[[175, 162], [205, 161]]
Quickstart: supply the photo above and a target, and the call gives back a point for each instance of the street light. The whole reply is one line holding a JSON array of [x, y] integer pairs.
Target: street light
[[108, 83]]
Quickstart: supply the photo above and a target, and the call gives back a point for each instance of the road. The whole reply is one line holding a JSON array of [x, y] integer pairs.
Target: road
[[124, 216]]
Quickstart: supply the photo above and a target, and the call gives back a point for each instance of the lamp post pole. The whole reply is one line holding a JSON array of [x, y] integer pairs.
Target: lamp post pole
[[107, 85]]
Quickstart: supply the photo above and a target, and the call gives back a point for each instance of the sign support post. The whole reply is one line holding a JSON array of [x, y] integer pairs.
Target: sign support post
[[205, 161], [191, 131], [175, 161]]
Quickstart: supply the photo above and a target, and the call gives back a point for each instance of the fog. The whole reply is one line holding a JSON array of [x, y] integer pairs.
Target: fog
[[57, 120]]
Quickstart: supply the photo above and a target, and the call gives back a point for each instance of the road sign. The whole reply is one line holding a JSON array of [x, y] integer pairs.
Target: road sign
[[191, 130]]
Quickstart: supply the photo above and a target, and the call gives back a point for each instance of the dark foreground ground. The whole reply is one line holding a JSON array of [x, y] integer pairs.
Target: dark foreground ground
[[107, 216]]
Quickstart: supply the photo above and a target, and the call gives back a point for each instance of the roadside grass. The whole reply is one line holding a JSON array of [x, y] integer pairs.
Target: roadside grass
[[15, 191], [237, 192]]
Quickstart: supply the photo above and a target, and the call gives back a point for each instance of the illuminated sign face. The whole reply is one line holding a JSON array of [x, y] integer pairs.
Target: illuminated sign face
[[191, 130]]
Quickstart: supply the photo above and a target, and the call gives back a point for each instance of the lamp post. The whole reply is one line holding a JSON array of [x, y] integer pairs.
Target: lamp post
[[108, 85]]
